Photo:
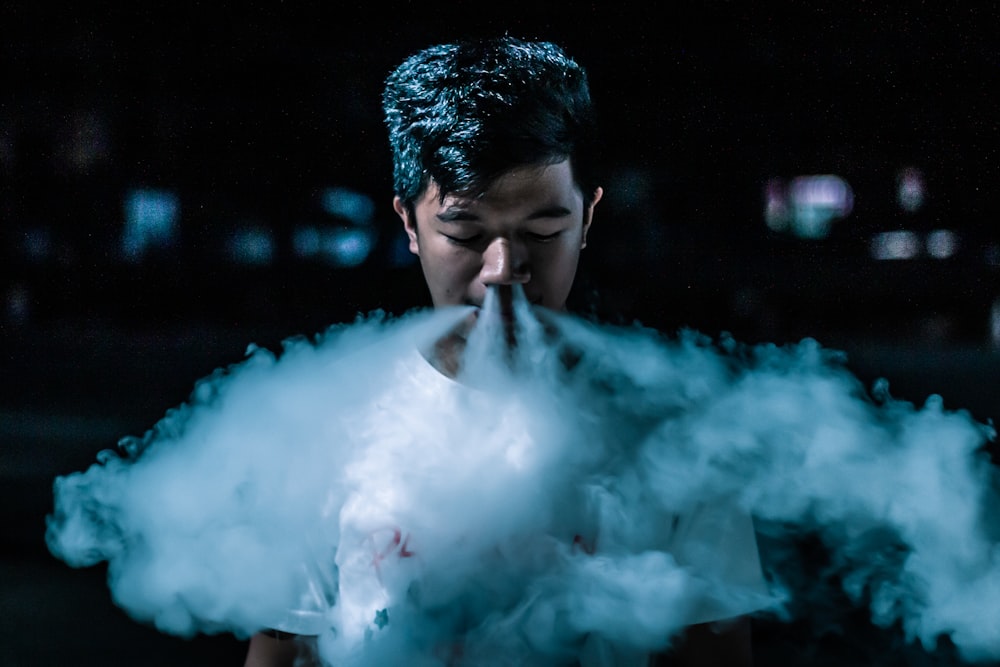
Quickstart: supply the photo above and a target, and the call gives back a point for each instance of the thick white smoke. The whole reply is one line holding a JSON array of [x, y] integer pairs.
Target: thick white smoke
[[343, 487]]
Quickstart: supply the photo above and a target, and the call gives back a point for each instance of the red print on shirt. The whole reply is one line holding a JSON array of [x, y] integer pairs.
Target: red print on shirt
[[382, 549]]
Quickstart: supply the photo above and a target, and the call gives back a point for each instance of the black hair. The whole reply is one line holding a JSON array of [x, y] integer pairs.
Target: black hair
[[463, 114]]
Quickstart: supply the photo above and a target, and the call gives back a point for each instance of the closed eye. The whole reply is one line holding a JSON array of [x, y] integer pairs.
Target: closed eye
[[543, 238], [463, 240]]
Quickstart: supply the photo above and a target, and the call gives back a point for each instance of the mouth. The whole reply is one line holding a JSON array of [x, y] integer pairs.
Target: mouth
[[505, 312], [505, 305], [506, 302]]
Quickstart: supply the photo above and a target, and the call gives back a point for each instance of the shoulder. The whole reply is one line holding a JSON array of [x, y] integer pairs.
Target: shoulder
[[277, 649]]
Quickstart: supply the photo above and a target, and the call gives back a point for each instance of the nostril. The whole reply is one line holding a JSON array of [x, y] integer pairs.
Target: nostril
[[504, 263]]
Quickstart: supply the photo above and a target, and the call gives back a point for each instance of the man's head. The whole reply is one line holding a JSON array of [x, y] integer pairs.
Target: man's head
[[493, 146]]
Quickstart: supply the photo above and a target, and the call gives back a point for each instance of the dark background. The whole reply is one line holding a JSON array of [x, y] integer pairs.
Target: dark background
[[247, 113]]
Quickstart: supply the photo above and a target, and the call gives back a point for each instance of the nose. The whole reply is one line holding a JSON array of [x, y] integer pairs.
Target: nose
[[505, 262]]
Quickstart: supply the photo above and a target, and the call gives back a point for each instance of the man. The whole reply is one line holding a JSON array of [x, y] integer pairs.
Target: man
[[494, 171]]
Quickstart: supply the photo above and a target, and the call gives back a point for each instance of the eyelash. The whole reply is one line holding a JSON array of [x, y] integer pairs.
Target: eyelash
[[537, 238], [462, 241], [544, 238]]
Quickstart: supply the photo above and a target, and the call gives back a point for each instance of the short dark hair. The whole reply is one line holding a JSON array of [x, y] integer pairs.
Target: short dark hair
[[463, 114]]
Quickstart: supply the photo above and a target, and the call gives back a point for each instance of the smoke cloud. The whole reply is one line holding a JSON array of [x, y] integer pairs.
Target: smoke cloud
[[342, 487]]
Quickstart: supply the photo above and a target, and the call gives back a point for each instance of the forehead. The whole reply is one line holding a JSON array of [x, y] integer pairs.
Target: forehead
[[521, 187]]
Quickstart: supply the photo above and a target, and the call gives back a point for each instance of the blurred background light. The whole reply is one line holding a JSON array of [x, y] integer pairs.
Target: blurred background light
[[338, 246], [151, 222], [897, 244], [251, 245], [910, 189], [348, 204], [808, 205], [776, 210], [942, 243]]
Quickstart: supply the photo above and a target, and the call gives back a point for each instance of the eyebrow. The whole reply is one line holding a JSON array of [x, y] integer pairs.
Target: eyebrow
[[456, 214], [550, 212], [461, 214]]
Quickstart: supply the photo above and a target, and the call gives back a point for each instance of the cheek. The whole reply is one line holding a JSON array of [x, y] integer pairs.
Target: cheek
[[451, 265], [558, 265]]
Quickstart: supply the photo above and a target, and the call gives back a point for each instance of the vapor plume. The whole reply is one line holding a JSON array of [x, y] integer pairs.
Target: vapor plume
[[343, 487]]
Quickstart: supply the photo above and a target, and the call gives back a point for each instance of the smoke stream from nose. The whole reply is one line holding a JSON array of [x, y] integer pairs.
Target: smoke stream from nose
[[343, 487]]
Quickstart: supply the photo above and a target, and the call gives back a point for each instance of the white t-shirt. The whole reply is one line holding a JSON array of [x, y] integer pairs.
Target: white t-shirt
[[715, 543]]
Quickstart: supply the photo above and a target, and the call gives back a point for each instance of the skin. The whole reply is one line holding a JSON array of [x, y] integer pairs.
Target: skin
[[281, 649]]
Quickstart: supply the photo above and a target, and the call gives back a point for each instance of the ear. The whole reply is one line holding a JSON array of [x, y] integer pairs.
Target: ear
[[409, 223], [588, 214]]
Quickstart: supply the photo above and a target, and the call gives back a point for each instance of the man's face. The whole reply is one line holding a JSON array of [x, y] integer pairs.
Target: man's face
[[527, 229]]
